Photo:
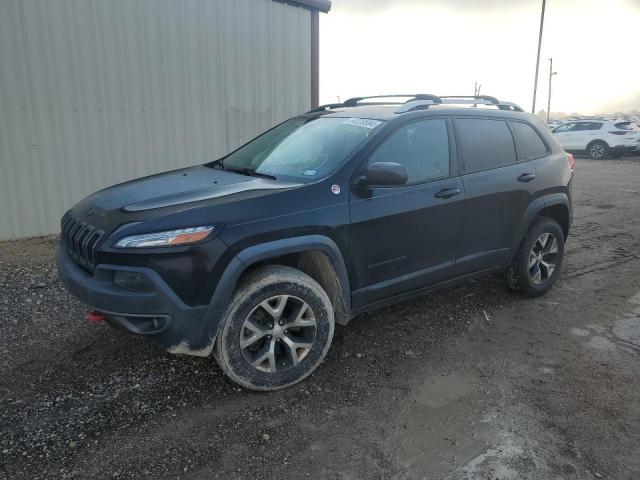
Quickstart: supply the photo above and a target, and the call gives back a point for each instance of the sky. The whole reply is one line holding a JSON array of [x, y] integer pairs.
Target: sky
[[370, 47]]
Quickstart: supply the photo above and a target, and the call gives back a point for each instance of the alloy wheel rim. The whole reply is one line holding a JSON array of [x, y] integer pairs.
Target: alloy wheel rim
[[597, 151], [278, 333], [543, 258]]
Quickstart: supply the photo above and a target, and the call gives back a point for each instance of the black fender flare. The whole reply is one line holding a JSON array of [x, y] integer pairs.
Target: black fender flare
[[264, 251], [535, 207]]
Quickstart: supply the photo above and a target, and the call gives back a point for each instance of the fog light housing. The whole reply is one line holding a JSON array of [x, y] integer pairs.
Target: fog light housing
[[134, 281]]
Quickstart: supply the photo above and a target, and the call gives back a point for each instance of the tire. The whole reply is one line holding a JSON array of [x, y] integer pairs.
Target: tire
[[255, 348], [598, 149], [522, 275]]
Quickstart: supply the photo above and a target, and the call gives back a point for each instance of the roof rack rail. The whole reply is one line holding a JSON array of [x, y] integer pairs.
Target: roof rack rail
[[352, 102], [482, 100], [327, 106], [422, 101], [487, 98]]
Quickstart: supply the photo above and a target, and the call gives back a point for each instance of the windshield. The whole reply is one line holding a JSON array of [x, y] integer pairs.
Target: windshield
[[302, 148]]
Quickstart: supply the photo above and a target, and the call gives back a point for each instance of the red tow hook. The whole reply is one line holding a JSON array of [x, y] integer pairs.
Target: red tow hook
[[94, 317]]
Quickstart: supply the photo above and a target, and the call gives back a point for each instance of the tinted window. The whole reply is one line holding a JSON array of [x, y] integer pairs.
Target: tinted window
[[624, 126], [485, 144], [588, 126], [421, 147], [530, 142], [567, 127]]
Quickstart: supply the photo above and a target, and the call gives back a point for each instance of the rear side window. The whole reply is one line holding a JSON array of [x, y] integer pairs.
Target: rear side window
[[485, 143], [624, 126], [530, 142], [589, 126], [422, 147]]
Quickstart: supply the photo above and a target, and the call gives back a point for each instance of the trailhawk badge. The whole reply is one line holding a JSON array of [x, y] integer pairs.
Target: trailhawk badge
[[335, 189]]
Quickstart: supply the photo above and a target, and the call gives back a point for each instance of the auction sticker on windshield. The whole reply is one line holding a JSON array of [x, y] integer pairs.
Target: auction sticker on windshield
[[362, 122]]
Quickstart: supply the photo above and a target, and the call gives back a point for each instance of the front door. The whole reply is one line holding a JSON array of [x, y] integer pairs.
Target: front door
[[568, 136], [404, 237]]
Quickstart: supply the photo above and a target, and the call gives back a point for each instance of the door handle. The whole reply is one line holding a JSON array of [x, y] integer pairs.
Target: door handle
[[526, 177], [447, 193]]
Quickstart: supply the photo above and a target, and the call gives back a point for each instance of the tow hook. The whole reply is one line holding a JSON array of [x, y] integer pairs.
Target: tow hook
[[94, 317]]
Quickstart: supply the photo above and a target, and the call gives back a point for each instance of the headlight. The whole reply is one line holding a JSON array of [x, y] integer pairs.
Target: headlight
[[168, 238]]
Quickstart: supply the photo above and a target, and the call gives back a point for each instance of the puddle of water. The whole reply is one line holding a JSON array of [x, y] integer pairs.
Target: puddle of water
[[628, 329], [596, 328], [635, 299], [601, 343], [444, 426], [580, 332], [494, 463]]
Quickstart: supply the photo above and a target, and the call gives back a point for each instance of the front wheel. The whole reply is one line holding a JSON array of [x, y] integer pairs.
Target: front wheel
[[277, 329], [537, 263]]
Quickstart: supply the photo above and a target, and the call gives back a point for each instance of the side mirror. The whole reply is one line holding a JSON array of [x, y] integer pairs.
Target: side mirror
[[385, 174]]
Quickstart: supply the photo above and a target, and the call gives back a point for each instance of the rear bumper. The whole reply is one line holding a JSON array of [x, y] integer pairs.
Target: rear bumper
[[160, 315]]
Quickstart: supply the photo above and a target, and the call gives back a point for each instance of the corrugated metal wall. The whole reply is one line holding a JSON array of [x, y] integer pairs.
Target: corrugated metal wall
[[95, 92]]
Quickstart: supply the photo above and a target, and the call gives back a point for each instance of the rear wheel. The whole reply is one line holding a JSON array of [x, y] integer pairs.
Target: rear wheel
[[277, 330], [597, 150], [539, 258]]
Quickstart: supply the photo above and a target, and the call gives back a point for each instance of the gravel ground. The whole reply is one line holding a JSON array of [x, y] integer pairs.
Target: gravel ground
[[471, 383]]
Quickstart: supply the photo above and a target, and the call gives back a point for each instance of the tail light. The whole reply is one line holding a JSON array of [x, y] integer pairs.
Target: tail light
[[572, 161], [619, 132]]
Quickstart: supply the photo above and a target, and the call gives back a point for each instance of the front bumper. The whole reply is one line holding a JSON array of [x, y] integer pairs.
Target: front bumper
[[161, 315]]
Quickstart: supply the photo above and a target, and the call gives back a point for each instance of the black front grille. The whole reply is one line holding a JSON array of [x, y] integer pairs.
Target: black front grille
[[81, 240]]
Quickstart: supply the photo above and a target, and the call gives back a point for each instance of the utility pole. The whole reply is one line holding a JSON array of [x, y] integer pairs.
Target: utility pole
[[535, 81], [476, 92], [551, 74]]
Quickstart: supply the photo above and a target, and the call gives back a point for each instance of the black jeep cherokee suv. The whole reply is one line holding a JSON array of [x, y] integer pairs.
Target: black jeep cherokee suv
[[255, 256]]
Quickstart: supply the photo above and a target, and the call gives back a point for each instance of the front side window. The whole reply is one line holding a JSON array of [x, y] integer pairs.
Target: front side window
[[532, 145], [422, 147], [305, 149], [485, 143], [567, 127]]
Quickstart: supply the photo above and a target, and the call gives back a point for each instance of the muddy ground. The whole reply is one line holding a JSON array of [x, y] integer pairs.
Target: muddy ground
[[471, 383]]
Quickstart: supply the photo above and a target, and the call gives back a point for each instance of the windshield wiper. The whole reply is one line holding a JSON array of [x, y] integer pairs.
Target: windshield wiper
[[249, 172], [218, 162]]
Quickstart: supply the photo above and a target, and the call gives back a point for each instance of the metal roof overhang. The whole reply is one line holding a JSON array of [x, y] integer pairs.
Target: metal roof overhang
[[320, 5]]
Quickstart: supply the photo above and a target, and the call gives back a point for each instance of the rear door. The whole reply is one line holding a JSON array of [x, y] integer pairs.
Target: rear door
[[567, 136], [586, 132], [404, 237], [498, 189]]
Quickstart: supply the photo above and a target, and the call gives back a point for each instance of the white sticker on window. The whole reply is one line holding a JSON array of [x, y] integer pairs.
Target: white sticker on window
[[362, 122], [310, 173]]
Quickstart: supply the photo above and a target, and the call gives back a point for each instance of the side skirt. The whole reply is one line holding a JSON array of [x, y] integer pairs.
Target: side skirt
[[422, 291]]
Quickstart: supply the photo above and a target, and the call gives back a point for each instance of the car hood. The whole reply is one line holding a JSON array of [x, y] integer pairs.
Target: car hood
[[183, 186]]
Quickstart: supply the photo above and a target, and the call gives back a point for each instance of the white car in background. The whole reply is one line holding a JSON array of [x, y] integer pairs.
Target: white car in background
[[598, 138]]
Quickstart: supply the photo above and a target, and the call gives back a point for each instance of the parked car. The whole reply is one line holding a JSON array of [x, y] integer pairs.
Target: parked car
[[599, 138], [254, 257]]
